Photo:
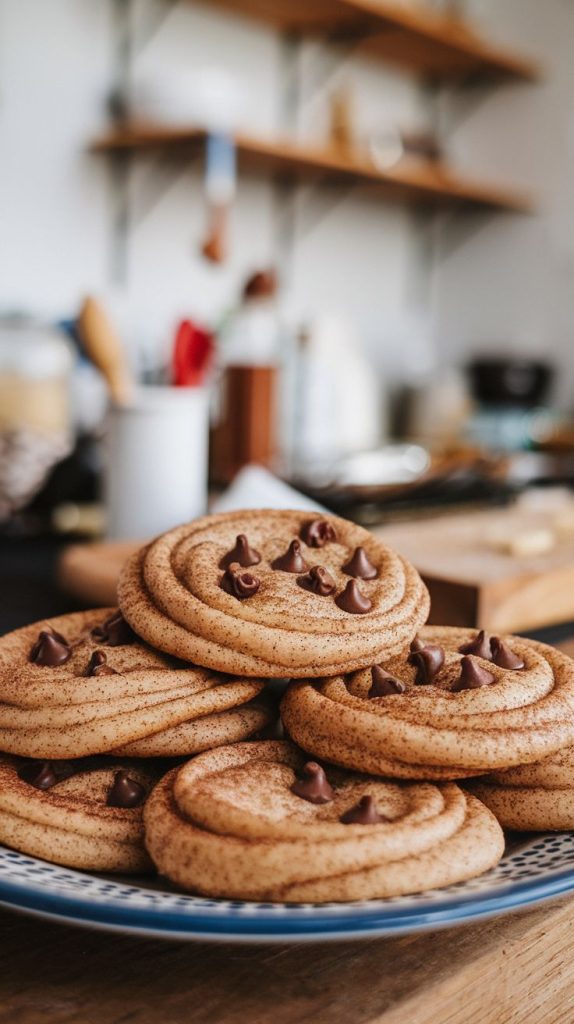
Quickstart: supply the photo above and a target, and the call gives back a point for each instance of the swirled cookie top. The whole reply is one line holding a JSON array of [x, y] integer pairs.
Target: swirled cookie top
[[259, 792], [262, 566], [82, 650], [446, 667], [96, 786]]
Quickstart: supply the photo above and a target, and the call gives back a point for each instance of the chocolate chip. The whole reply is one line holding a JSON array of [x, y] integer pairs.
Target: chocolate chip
[[242, 553], [97, 665], [318, 532], [480, 646], [504, 657], [360, 566], [39, 774], [125, 792], [239, 584], [363, 813], [314, 785], [114, 631], [50, 649], [351, 600], [384, 684], [472, 675], [428, 660], [318, 580], [292, 560]]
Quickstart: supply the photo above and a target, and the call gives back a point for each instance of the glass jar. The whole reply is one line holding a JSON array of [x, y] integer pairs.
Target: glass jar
[[35, 432]]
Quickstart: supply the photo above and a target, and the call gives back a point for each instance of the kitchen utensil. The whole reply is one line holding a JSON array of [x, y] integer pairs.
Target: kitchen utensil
[[104, 348], [220, 185], [192, 355]]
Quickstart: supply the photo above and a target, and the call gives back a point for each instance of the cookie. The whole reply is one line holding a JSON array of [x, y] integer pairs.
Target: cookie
[[457, 704], [84, 684], [273, 593], [82, 814], [535, 797], [257, 821]]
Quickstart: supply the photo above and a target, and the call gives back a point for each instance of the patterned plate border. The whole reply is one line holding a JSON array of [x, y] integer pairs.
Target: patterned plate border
[[534, 870]]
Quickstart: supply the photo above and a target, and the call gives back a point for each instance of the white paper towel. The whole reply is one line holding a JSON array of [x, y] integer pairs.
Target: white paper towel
[[256, 487]]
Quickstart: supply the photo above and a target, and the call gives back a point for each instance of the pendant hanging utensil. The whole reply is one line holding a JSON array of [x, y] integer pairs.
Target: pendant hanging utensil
[[220, 184]]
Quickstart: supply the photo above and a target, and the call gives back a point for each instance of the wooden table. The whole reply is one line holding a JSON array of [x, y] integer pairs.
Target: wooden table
[[517, 969]]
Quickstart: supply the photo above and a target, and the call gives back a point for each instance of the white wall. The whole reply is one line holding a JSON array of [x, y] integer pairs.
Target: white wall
[[54, 65], [352, 254], [499, 280], [507, 282]]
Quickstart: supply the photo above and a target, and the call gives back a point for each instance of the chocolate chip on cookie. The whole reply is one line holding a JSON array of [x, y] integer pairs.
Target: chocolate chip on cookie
[[239, 584], [428, 660], [319, 581], [242, 553], [351, 600], [384, 684], [125, 792], [114, 631], [504, 657], [50, 649], [292, 560], [472, 675], [317, 533], [479, 645], [39, 774], [98, 665], [314, 786], [360, 566], [363, 813]]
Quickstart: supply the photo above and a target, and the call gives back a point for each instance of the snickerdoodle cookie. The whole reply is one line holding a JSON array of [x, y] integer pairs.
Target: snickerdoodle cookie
[[82, 814], [535, 797], [257, 821], [456, 704], [273, 593], [85, 684]]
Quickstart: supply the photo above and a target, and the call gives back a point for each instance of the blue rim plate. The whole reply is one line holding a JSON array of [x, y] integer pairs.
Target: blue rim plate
[[534, 870]]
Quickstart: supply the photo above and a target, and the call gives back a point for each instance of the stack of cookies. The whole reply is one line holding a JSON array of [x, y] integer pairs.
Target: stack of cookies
[[136, 738], [88, 715]]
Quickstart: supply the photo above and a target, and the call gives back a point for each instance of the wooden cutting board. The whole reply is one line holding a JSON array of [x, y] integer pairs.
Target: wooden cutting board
[[90, 571], [474, 583]]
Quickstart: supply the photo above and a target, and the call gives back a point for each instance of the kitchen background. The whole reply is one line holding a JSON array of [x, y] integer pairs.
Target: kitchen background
[[496, 281], [117, 182]]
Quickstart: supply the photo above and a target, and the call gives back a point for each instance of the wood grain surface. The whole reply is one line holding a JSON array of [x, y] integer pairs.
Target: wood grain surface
[[409, 180], [506, 971], [474, 581], [416, 36]]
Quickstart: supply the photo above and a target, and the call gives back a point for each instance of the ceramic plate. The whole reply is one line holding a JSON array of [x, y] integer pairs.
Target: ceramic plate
[[532, 871]]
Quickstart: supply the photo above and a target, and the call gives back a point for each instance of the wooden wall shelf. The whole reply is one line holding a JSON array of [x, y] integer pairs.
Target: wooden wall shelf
[[412, 36], [410, 181]]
